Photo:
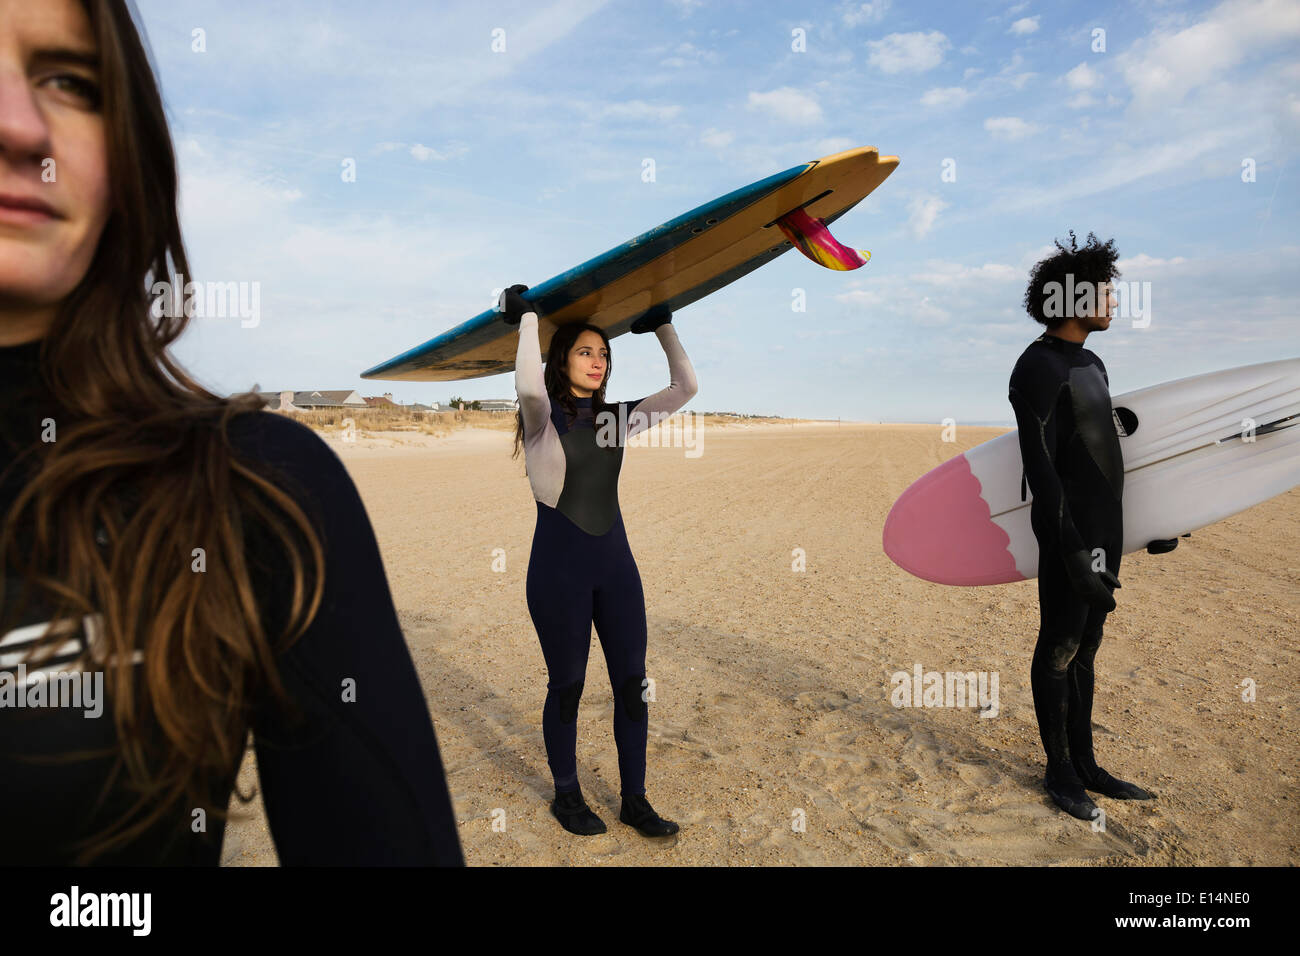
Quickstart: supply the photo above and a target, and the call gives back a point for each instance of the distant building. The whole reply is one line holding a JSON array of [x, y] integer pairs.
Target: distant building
[[342, 398], [305, 400]]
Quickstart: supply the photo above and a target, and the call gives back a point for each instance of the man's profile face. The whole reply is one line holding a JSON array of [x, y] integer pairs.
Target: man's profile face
[[1106, 303]]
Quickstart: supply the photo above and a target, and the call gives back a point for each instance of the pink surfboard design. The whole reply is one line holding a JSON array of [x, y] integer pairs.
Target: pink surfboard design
[[940, 529], [1195, 452], [811, 237]]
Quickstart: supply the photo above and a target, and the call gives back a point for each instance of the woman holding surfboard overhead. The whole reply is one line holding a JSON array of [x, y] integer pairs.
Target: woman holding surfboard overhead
[[581, 570], [180, 564], [1074, 467]]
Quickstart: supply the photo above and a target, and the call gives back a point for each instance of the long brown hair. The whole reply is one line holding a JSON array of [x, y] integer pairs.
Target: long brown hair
[[557, 374], [143, 455]]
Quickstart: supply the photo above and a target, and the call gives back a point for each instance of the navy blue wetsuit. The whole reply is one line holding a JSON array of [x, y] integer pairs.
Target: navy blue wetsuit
[[581, 570], [582, 576]]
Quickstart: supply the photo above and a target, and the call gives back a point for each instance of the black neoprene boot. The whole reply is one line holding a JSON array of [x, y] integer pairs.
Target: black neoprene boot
[[638, 813], [1101, 782], [574, 814], [1066, 789]]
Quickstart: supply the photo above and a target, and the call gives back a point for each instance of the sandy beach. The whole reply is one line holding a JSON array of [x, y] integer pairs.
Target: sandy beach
[[772, 686]]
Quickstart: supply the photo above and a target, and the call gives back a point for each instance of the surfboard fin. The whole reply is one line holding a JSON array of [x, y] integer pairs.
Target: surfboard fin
[[1289, 422], [811, 237]]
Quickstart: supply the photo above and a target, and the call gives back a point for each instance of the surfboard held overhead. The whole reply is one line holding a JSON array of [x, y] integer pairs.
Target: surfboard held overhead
[[671, 266]]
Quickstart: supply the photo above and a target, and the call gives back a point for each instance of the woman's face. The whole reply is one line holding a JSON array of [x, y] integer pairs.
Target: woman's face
[[588, 362], [54, 196]]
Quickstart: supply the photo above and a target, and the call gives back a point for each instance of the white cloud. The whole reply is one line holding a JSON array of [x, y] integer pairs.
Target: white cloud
[[954, 273], [1009, 75], [717, 138], [1120, 166], [945, 96], [1024, 26], [971, 71], [1164, 67], [908, 52], [788, 105], [1081, 102], [1009, 127], [856, 14], [1145, 263], [895, 295], [242, 228], [835, 144], [923, 212], [425, 153], [926, 312], [641, 111], [861, 297], [1033, 256], [1082, 77], [357, 53], [687, 54]]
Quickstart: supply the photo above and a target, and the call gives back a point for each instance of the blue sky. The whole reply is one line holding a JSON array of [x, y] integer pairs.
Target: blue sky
[[476, 169]]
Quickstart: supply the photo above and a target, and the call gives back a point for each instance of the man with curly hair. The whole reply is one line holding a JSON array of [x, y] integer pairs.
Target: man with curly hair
[[1073, 466]]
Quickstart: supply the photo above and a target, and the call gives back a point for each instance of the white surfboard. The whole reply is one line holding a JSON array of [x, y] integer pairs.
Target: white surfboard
[[1195, 451]]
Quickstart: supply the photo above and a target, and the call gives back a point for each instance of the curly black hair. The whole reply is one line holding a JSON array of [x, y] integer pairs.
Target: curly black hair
[[1094, 263]]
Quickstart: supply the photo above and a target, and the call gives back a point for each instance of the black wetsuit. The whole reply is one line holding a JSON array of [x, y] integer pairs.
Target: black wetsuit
[[353, 783], [1073, 466]]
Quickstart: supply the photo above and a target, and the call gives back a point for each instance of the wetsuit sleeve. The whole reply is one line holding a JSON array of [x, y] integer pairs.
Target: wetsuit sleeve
[[681, 382], [351, 773], [530, 382], [1034, 400]]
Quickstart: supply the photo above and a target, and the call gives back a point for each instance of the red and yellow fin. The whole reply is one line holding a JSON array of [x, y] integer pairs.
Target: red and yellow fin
[[811, 237]]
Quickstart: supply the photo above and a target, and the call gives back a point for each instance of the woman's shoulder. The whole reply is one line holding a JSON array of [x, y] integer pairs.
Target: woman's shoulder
[[275, 435], [290, 448]]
